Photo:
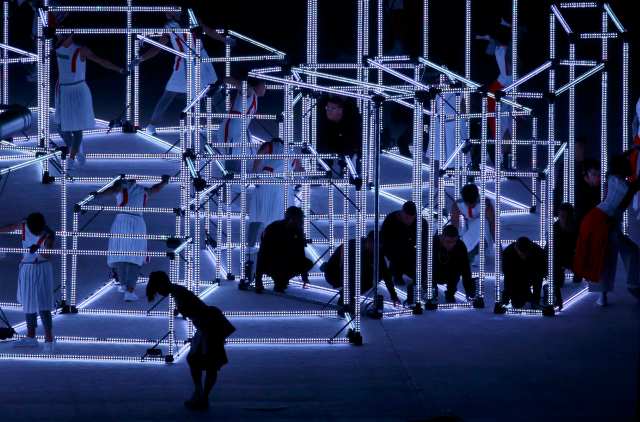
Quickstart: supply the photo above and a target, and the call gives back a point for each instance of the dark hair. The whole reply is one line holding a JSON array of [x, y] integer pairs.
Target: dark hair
[[409, 208], [336, 99], [450, 231], [157, 281], [470, 193], [36, 223], [524, 244], [619, 165], [293, 212], [590, 164], [566, 206]]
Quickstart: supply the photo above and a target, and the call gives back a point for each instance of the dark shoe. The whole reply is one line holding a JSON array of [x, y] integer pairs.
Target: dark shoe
[[259, 286], [279, 289], [450, 297]]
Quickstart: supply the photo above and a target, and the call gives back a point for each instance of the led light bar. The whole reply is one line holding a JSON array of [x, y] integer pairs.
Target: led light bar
[[580, 78], [28, 163]]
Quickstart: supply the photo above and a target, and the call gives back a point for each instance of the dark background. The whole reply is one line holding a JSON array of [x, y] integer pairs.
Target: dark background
[[282, 24]]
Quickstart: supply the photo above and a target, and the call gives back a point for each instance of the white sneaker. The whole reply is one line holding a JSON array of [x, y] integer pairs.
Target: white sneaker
[[82, 159], [49, 347], [121, 288], [130, 297], [151, 130], [26, 342]]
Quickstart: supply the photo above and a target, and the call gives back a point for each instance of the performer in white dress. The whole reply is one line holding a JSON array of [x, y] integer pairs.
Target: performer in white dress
[[230, 130], [35, 278], [129, 194], [177, 83], [73, 101], [266, 202], [468, 207]]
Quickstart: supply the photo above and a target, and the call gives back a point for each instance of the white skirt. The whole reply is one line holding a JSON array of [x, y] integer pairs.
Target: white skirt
[[471, 235], [74, 107], [178, 80], [127, 224], [266, 204], [35, 287]]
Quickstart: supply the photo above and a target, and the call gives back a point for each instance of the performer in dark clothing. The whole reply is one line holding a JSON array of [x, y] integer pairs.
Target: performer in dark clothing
[[565, 236], [281, 255], [587, 189], [339, 129], [450, 262], [524, 266], [207, 352], [333, 269], [398, 237]]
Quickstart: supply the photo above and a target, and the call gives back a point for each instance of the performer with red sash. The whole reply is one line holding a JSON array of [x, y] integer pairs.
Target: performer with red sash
[[601, 238], [131, 197]]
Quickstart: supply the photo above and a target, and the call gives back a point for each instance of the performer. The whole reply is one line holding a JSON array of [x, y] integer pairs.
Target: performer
[[177, 83], [450, 263], [207, 352], [601, 239], [587, 189], [499, 47], [339, 130], [266, 202], [129, 194], [333, 270], [398, 237], [468, 208], [73, 101], [281, 255], [565, 237], [230, 130], [35, 279], [634, 157], [524, 266]]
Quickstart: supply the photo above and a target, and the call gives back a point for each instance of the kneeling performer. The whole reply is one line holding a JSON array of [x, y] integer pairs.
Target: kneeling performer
[[281, 255]]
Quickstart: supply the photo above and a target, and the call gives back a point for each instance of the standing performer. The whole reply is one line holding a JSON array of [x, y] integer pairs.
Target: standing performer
[[468, 208], [587, 189], [266, 202], [230, 131], [177, 83], [601, 239], [74, 104], [35, 279], [129, 194], [281, 255], [499, 47], [634, 157], [207, 352]]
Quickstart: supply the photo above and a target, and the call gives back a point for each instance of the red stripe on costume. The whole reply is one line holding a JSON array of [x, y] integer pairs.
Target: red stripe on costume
[[24, 233], [41, 240], [180, 45], [125, 197], [74, 60], [633, 158], [269, 148], [491, 105], [470, 212], [144, 201]]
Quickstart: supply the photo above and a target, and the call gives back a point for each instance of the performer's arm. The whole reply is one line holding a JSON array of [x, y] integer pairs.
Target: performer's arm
[[256, 162], [153, 51], [86, 53], [455, 215], [158, 186]]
